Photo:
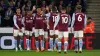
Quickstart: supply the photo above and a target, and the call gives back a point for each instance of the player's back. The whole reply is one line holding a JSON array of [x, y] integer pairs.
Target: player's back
[[52, 20], [79, 21], [64, 21]]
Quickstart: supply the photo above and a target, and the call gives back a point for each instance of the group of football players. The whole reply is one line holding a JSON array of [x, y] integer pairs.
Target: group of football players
[[57, 22]]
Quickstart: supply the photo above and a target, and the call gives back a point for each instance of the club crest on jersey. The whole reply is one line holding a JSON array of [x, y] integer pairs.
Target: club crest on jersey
[[31, 17], [26, 18]]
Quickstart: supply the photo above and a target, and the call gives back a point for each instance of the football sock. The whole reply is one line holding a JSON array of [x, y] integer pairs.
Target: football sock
[[51, 43], [56, 41], [59, 46], [80, 43], [21, 41], [76, 44], [65, 45], [42, 43], [37, 44], [15, 43], [27, 42]]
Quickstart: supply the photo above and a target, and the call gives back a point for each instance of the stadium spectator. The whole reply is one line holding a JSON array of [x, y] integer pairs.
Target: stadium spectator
[[22, 4], [48, 2], [69, 9], [12, 5], [3, 5], [43, 4], [13, 2], [2, 12], [52, 5], [84, 5], [8, 17], [66, 2], [60, 5], [29, 5], [18, 4], [90, 26]]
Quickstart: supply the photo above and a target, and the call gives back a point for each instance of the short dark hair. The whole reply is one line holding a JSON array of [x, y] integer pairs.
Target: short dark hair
[[89, 18], [17, 8], [54, 9], [63, 8], [79, 7]]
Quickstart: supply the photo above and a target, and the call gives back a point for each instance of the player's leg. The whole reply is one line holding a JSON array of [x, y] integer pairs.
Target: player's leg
[[15, 34], [80, 40], [45, 36], [41, 33], [33, 31], [36, 39], [55, 39], [21, 40], [27, 40], [59, 41], [51, 40], [30, 37], [76, 41], [65, 41]]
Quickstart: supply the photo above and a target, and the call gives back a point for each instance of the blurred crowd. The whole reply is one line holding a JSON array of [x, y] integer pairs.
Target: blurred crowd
[[8, 7]]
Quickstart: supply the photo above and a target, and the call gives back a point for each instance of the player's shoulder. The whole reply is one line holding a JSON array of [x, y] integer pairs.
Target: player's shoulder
[[51, 13], [15, 16], [64, 14], [79, 13]]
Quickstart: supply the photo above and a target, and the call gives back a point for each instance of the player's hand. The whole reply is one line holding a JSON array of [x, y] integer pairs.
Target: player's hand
[[20, 30], [48, 27], [53, 28], [70, 29], [34, 8]]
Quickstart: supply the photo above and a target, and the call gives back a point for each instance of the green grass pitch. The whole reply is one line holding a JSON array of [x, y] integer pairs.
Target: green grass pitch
[[46, 53]]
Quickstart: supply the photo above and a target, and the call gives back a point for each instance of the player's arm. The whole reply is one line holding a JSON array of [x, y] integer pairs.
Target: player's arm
[[73, 21], [56, 21], [48, 17], [69, 25], [85, 21], [69, 22], [23, 19], [34, 14], [15, 22], [34, 21]]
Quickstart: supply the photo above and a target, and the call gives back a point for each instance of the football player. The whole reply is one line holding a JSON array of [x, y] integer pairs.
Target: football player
[[78, 23]]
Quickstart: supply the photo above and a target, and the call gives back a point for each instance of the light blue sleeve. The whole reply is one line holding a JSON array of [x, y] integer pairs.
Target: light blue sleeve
[[73, 20], [69, 22], [56, 21], [48, 15], [85, 21], [34, 14], [23, 19], [15, 21]]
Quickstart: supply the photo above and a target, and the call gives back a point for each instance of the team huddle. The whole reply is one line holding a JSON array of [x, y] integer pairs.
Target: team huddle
[[38, 23]]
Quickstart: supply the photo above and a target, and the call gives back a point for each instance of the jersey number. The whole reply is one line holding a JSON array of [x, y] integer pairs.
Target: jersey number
[[64, 20], [79, 18], [54, 18]]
